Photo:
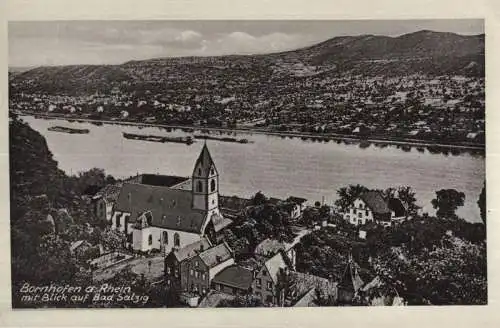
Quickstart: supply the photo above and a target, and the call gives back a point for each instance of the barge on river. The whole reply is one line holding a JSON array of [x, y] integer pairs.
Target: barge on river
[[153, 138]]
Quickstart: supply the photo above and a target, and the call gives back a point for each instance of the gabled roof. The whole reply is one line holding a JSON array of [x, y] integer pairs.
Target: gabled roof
[[235, 276], [274, 264], [303, 284], [170, 208], [375, 201], [216, 255], [192, 250]]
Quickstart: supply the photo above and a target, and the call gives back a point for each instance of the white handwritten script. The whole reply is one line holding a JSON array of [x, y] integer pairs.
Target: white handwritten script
[[69, 294]]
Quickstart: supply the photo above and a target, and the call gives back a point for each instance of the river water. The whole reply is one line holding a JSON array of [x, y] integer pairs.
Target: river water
[[277, 166]]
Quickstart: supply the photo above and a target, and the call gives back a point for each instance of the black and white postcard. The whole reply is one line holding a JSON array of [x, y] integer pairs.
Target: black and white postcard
[[247, 163]]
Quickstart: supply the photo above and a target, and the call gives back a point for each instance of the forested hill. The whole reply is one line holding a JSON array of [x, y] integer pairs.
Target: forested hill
[[423, 52], [34, 173], [48, 211]]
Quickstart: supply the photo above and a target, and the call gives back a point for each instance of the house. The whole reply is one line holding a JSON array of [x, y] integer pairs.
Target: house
[[266, 278], [295, 206], [159, 212], [194, 267], [371, 206], [175, 259], [234, 280]]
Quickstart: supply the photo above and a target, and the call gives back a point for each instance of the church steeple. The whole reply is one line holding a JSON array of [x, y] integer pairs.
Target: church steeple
[[205, 179]]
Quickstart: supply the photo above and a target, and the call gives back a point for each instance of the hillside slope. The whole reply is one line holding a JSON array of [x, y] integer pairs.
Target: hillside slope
[[423, 52]]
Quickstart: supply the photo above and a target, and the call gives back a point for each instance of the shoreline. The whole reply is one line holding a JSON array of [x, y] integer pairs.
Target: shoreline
[[330, 136]]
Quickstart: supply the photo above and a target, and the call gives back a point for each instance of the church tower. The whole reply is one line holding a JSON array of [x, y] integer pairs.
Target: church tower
[[205, 182]]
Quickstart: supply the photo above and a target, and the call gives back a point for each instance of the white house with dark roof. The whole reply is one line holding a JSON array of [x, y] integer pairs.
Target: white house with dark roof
[[170, 212], [371, 206]]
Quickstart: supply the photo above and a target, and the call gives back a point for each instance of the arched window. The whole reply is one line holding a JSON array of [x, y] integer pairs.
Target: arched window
[[165, 237], [212, 171], [199, 186], [150, 239], [199, 171], [177, 240], [212, 185]]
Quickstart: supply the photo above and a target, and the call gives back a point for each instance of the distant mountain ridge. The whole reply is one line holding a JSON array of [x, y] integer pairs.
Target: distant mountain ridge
[[422, 52]]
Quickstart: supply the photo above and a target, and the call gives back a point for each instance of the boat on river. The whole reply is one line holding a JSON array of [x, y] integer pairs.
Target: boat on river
[[68, 130], [224, 139], [185, 140]]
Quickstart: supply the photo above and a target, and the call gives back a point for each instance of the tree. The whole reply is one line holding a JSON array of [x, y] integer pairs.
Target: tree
[[91, 180], [347, 195], [481, 202], [407, 196], [447, 201], [259, 199]]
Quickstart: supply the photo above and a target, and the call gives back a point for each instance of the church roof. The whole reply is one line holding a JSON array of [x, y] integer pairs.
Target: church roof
[[170, 208]]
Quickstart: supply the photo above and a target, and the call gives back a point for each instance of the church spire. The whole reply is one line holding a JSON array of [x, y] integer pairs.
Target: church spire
[[205, 184], [204, 161]]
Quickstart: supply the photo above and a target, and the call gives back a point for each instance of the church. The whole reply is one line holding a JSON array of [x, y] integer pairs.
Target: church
[[159, 212]]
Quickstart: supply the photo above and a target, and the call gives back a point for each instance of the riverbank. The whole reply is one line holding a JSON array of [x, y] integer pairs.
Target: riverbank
[[303, 135]]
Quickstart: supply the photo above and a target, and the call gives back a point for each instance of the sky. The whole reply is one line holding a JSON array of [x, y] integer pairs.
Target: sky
[[43, 43]]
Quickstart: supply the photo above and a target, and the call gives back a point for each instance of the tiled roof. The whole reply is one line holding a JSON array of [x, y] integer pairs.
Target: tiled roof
[[235, 276], [170, 208], [192, 249], [303, 283], [215, 255], [375, 201]]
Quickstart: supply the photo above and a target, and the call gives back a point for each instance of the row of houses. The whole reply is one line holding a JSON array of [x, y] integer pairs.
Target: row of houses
[[209, 274], [202, 270]]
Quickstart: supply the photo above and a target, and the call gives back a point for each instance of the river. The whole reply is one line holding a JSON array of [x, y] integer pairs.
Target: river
[[277, 166]]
